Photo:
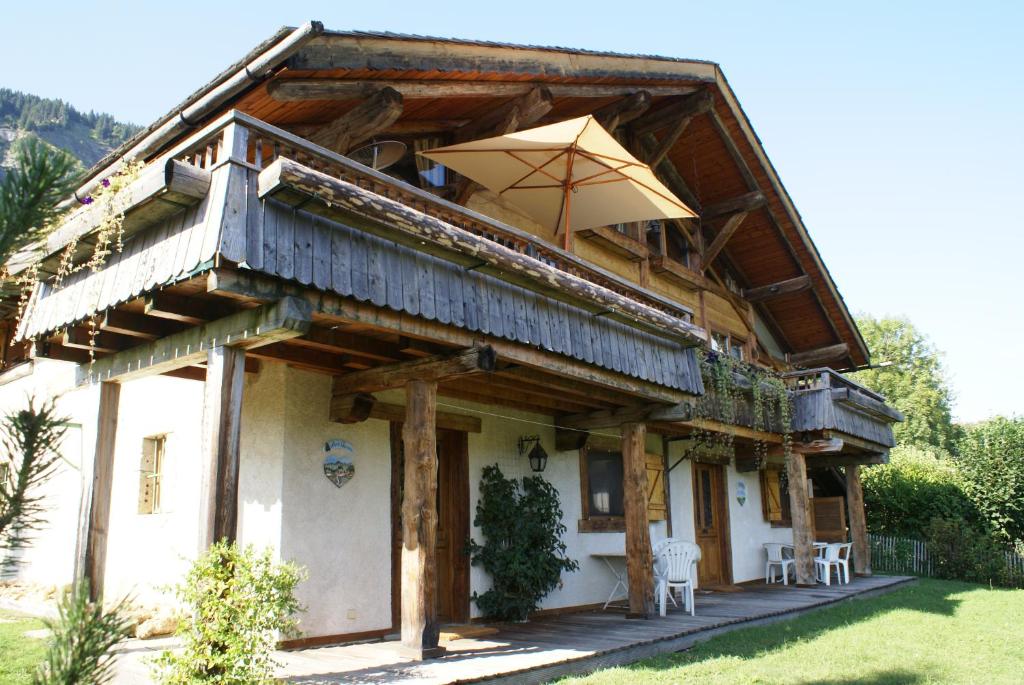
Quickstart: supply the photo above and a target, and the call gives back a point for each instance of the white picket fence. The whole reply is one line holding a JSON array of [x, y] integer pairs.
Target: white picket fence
[[905, 555]]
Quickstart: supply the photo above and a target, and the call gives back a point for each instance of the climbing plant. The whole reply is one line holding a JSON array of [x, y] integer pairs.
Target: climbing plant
[[522, 550]]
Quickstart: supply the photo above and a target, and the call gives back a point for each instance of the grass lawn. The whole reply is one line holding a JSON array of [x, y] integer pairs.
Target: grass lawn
[[933, 632], [19, 655]]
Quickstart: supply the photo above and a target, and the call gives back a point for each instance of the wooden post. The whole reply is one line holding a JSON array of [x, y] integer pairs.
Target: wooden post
[[638, 537], [800, 510], [420, 629], [222, 415], [99, 500], [858, 522]]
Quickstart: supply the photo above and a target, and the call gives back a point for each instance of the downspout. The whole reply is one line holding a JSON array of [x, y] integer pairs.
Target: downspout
[[189, 117]]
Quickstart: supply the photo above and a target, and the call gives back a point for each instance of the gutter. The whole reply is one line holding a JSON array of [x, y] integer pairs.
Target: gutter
[[204, 102]]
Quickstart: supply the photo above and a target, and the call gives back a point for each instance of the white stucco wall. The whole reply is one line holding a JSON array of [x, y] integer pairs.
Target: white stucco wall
[[748, 529]]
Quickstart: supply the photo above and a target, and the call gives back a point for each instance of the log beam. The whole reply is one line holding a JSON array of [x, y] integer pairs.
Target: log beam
[[222, 418], [819, 356], [732, 224], [747, 202], [800, 511], [420, 627], [638, 537], [858, 522], [301, 89], [95, 563], [773, 290], [136, 325], [359, 407], [434, 369], [623, 111], [371, 116], [686, 108]]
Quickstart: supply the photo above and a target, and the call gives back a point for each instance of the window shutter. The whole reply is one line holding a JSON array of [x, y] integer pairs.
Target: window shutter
[[771, 499], [147, 473], [829, 519], [657, 510]]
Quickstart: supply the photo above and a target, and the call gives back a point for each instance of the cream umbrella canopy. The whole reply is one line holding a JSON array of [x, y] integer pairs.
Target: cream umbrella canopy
[[568, 176]]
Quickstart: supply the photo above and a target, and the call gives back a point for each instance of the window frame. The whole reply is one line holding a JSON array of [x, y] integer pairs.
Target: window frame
[[596, 523]]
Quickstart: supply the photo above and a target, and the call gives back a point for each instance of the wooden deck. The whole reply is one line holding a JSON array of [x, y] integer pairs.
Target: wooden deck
[[549, 648]]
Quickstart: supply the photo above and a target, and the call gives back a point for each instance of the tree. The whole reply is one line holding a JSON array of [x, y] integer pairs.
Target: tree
[[29, 193], [30, 438], [990, 457], [911, 377]]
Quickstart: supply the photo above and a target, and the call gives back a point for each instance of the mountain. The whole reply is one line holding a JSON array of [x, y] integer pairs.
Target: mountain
[[87, 136]]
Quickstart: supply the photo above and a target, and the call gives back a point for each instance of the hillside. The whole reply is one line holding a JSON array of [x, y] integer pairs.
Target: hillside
[[87, 136]]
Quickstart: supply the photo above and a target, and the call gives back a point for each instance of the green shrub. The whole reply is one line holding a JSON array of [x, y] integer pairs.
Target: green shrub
[[902, 497], [958, 551], [83, 634], [238, 602], [523, 550], [990, 459]]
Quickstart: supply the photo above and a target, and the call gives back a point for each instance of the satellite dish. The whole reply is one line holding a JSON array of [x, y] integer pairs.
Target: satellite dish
[[379, 155]]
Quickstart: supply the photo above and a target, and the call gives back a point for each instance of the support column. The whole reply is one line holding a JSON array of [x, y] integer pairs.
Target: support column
[[858, 522], [95, 561], [420, 628], [222, 415], [800, 511], [638, 537]]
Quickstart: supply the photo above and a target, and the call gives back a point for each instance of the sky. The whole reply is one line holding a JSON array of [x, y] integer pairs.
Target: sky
[[897, 127]]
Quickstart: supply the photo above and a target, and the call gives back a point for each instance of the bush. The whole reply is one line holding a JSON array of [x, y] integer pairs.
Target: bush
[[960, 552], [990, 458], [523, 550], [238, 601], [902, 497]]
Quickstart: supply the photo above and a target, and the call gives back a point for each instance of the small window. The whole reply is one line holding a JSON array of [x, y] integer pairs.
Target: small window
[[151, 474], [604, 483], [737, 349], [719, 342]]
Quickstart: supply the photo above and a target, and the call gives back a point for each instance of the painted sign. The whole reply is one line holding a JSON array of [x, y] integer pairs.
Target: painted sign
[[338, 466], [741, 493]]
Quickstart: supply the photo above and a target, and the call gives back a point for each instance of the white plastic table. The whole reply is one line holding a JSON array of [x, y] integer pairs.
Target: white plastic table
[[620, 576]]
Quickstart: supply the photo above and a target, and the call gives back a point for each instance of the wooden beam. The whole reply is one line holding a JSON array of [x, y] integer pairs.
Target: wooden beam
[[858, 522], [183, 309], [371, 116], [359, 407], [863, 403], [747, 202], [684, 108], [219, 456], [286, 318], [803, 525], [427, 233], [420, 627], [508, 118], [434, 369], [567, 440], [330, 340], [666, 144], [136, 325], [295, 90], [638, 538], [727, 232], [313, 360], [80, 337], [786, 287], [819, 355], [623, 111], [824, 446], [198, 373], [666, 171], [102, 481], [608, 418]]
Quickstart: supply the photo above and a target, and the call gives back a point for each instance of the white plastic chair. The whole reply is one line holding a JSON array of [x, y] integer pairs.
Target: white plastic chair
[[777, 558], [660, 568], [679, 559], [836, 554]]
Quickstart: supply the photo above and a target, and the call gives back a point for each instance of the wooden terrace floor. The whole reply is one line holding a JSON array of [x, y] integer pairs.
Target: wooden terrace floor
[[552, 647]]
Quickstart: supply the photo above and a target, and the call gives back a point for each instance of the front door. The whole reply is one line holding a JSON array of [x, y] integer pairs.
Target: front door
[[711, 525], [452, 526]]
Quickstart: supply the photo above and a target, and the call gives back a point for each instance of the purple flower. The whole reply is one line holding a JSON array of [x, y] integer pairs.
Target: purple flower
[[86, 200], [105, 182]]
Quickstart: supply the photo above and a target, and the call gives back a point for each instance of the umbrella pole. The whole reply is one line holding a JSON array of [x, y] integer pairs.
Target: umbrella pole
[[568, 188]]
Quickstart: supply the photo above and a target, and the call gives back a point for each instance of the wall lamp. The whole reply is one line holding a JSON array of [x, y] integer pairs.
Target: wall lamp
[[537, 455]]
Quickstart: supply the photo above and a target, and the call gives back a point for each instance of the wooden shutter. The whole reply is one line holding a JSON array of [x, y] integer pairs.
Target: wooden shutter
[[657, 509], [829, 514], [771, 498], [147, 473]]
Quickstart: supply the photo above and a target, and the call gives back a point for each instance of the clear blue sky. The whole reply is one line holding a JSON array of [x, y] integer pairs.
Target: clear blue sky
[[896, 127]]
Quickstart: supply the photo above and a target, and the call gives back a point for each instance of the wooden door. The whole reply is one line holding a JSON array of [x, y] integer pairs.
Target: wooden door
[[452, 526], [712, 527], [829, 516]]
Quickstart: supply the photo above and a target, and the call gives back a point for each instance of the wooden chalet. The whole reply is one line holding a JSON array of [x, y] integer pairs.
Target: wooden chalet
[[422, 325]]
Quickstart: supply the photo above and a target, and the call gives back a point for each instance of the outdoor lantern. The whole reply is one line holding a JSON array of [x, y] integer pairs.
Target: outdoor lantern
[[538, 455]]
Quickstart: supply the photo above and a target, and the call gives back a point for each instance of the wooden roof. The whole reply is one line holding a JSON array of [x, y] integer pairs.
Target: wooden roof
[[718, 156]]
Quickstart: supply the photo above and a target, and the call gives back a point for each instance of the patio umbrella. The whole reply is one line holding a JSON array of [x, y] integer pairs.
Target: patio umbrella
[[568, 176]]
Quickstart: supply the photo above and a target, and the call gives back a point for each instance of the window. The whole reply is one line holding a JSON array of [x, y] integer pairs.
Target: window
[[775, 498], [719, 342], [151, 474], [737, 348], [601, 479], [604, 483]]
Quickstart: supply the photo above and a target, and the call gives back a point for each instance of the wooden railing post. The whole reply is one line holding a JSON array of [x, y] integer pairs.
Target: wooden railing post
[[98, 507], [858, 522], [420, 629], [222, 416], [638, 537], [800, 510]]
